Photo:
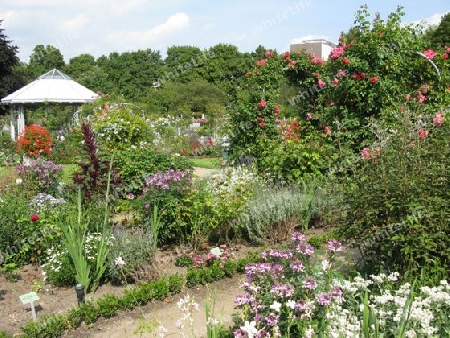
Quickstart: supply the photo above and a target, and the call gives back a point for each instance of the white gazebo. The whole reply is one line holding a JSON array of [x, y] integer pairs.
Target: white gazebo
[[51, 87]]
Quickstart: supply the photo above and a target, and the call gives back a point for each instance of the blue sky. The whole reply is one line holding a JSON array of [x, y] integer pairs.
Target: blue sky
[[99, 27]]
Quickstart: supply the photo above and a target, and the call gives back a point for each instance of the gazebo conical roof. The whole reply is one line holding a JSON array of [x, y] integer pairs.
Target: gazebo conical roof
[[53, 86]]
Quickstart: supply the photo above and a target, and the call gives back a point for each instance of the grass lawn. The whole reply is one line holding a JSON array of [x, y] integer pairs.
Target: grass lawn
[[68, 170], [206, 162]]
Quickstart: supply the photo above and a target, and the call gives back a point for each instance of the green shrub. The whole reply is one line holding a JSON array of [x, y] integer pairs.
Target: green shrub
[[136, 164], [48, 327], [108, 305], [120, 128], [398, 197], [88, 312], [136, 247], [274, 211]]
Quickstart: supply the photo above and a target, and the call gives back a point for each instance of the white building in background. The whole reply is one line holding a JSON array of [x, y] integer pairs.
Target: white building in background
[[320, 47]]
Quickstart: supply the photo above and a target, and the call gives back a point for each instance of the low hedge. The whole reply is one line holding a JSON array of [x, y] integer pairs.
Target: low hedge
[[108, 306]]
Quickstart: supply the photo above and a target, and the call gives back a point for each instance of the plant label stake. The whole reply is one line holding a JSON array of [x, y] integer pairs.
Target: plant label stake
[[30, 298]]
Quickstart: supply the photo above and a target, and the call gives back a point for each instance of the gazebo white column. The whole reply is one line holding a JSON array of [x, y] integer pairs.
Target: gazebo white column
[[12, 124], [20, 120]]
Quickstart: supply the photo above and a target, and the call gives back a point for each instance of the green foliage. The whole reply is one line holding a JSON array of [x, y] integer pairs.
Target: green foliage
[[119, 127], [8, 154], [108, 306], [274, 211], [10, 80], [10, 271], [136, 164], [440, 35], [136, 247], [43, 59], [397, 199], [183, 261]]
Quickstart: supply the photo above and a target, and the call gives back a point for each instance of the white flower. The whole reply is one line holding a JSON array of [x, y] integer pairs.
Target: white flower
[[290, 304], [326, 265], [276, 306], [179, 324], [19, 181], [119, 261], [250, 328], [212, 321]]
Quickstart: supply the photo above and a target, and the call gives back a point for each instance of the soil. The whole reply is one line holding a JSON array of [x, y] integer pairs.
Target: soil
[[13, 314]]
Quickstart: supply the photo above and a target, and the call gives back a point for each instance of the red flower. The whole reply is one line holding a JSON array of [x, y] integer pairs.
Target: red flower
[[262, 104], [438, 119], [326, 130], [321, 83], [430, 54], [309, 116], [267, 53], [337, 52], [277, 109], [445, 55], [288, 59], [259, 118], [356, 76], [421, 97], [408, 96], [362, 75], [316, 60], [373, 79], [345, 61], [335, 81], [34, 218], [316, 75], [262, 124], [423, 133]]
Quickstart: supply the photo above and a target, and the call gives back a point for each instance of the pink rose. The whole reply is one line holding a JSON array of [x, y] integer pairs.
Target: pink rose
[[262, 104], [321, 83], [430, 54]]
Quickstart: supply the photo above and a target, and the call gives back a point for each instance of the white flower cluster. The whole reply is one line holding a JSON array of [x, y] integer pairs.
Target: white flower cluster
[[43, 202], [388, 302], [231, 180], [55, 256]]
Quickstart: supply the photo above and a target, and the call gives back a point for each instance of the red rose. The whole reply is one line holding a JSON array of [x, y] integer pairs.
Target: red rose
[[34, 218], [345, 61], [373, 79]]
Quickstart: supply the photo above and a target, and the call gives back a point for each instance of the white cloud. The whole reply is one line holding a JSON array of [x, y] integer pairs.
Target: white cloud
[[430, 21], [174, 23], [76, 23], [309, 37]]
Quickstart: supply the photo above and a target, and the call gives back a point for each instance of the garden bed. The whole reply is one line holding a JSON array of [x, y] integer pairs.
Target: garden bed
[[58, 300]]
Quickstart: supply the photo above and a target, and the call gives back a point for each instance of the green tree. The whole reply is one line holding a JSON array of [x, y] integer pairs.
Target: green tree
[[440, 36], [131, 74], [43, 59], [80, 67], [10, 80], [183, 64]]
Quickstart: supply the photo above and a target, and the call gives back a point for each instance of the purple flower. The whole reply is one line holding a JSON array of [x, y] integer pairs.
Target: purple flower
[[283, 290], [334, 245], [238, 333], [297, 237], [305, 249], [309, 283], [243, 300], [324, 299], [297, 266], [272, 319], [337, 292]]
